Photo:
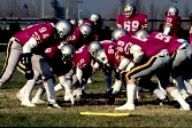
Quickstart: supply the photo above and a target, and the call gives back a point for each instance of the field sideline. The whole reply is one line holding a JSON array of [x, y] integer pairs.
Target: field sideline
[[12, 114]]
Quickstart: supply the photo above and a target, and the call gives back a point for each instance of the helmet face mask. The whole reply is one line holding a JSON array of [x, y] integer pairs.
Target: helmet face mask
[[101, 56], [67, 52], [95, 18], [94, 48], [86, 30], [63, 28], [129, 10], [118, 33]]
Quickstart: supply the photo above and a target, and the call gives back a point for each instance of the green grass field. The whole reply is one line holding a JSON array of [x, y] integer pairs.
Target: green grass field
[[12, 114]]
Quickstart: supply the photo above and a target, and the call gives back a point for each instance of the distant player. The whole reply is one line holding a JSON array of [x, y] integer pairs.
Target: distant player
[[131, 21], [172, 22]]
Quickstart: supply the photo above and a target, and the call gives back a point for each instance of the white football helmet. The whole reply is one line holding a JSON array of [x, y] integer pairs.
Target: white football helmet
[[141, 34], [117, 33], [95, 18], [94, 48], [86, 29], [63, 28], [172, 11], [80, 22], [73, 21], [67, 51], [129, 10], [102, 57]]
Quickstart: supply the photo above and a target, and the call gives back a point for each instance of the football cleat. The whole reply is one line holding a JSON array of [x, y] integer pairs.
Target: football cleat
[[53, 106], [69, 97], [161, 101], [27, 104], [126, 106], [19, 96], [38, 101], [185, 108]]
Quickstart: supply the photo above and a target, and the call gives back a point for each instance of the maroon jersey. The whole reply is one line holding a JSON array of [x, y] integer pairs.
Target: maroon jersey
[[164, 42], [125, 42], [150, 46], [82, 57], [133, 23], [52, 51], [41, 32], [174, 23], [109, 48], [76, 38], [89, 22]]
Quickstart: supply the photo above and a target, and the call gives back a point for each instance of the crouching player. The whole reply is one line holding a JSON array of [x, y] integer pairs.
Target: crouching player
[[153, 59], [59, 63]]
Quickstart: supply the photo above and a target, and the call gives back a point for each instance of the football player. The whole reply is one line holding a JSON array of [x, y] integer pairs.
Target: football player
[[23, 44], [60, 63], [172, 22], [150, 57], [83, 62], [104, 54], [130, 20], [120, 36], [80, 36]]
